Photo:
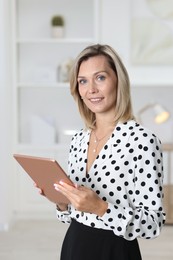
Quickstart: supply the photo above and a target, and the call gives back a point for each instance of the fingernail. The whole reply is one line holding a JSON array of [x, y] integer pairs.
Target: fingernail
[[76, 185], [56, 187], [61, 182]]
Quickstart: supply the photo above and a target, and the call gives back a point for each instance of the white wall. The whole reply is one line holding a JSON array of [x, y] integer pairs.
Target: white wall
[[115, 26], [116, 31], [5, 118]]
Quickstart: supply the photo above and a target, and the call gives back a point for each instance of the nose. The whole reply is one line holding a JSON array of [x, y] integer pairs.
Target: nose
[[92, 88]]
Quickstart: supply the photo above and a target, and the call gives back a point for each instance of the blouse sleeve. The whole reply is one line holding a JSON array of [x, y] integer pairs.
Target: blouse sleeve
[[146, 217], [64, 216]]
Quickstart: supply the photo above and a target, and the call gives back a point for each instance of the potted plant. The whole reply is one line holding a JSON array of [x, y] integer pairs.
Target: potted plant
[[57, 23]]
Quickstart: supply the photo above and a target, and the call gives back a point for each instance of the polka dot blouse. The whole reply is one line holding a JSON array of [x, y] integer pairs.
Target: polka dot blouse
[[128, 174]]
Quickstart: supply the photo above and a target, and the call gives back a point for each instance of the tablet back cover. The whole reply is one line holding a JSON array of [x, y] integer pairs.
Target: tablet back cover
[[44, 172]]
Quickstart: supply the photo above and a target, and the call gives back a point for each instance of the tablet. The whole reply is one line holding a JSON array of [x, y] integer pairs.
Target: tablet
[[45, 172]]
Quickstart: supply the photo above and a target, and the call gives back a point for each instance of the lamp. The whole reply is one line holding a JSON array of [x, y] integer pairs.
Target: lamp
[[161, 114]]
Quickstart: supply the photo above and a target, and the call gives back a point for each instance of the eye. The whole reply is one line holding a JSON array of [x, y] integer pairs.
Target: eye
[[82, 81], [101, 77]]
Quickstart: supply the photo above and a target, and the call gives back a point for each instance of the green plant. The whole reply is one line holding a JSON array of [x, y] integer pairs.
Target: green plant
[[57, 20]]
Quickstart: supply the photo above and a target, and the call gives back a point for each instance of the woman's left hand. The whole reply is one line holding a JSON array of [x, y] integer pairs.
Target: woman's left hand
[[82, 198]]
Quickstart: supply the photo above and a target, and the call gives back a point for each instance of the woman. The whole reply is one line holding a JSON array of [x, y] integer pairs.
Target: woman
[[115, 163]]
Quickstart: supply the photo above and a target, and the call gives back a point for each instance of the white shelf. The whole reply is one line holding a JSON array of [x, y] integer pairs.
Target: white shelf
[[151, 76], [54, 41], [31, 147], [150, 84], [43, 85]]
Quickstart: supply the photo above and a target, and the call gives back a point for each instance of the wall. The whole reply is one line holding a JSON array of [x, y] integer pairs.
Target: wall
[[116, 31], [5, 119], [150, 83]]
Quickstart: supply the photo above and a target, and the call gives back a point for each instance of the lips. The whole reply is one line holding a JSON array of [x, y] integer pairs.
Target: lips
[[96, 100]]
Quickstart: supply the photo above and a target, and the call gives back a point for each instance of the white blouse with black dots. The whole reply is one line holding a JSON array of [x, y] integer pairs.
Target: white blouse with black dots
[[128, 174]]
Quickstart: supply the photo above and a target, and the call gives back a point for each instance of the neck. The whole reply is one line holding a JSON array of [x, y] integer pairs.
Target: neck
[[103, 127], [104, 123], [101, 132]]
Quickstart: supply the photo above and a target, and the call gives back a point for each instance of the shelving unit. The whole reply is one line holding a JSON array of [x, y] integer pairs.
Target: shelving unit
[[168, 182], [37, 57], [44, 112]]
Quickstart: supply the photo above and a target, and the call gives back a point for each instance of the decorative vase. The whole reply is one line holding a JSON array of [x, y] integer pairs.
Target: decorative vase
[[57, 31]]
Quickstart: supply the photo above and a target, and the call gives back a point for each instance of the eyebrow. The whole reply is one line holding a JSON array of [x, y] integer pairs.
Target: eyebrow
[[101, 71]]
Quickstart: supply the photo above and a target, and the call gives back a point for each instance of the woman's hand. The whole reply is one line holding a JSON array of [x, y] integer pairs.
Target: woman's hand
[[82, 198], [39, 190], [60, 206]]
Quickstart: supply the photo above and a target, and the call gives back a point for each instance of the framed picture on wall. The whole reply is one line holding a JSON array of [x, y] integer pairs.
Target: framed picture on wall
[[152, 32]]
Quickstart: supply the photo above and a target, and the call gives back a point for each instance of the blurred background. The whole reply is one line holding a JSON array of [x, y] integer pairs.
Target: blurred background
[[39, 40]]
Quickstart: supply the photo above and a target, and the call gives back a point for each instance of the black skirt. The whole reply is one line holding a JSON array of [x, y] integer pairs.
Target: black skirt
[[86, 243]]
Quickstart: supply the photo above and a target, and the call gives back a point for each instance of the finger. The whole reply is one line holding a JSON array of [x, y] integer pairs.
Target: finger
[[40, 191], [64, 187], [67, 190], [68, 186], [62, 190], [76, 185]]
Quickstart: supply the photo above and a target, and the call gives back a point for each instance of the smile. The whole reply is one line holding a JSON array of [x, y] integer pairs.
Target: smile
[[95, 100]]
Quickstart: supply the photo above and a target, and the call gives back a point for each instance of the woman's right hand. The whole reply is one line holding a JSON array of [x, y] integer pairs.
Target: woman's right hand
[[39, 190], [60, 206]]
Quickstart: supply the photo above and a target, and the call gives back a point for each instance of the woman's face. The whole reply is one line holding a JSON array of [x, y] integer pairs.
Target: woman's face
[[97, 84]]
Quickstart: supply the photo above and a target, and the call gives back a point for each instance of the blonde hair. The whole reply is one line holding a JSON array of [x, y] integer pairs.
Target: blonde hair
[[123, 107]]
